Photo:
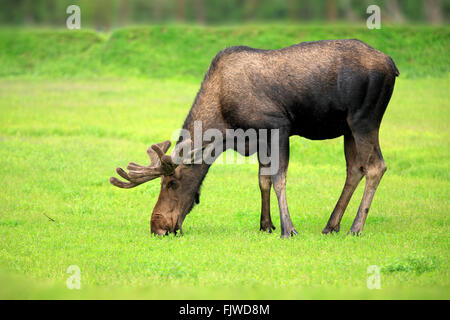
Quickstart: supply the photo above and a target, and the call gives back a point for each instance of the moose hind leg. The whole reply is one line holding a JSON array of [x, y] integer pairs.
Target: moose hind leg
[[354, 176], [371, 159], [265, 184]]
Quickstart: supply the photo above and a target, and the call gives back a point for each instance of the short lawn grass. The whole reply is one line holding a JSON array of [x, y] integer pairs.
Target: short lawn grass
[[62, 138]]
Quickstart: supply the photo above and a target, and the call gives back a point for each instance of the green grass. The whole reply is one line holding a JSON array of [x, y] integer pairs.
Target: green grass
[[61, 139]]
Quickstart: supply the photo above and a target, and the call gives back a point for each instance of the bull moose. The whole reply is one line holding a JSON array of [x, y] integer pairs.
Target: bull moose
[[318, 90]]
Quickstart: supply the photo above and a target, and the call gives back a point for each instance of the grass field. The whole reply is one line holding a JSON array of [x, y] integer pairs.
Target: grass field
[[68, 120]]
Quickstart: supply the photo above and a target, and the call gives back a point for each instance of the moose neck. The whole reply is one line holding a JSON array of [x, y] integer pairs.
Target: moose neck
[[205, 111]]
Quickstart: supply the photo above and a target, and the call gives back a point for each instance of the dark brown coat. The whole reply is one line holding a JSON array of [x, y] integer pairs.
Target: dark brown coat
[[317, 90]]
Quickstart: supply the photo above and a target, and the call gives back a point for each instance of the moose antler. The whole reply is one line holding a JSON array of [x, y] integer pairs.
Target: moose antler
[[160, 164]]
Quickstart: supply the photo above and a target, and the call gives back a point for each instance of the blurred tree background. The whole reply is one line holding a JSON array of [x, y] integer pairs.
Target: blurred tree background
[[108, 14]]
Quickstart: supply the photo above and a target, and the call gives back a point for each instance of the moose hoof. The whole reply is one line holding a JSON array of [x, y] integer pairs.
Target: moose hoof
[[289, 234], [267, 227], [353, 233], [329, 229]]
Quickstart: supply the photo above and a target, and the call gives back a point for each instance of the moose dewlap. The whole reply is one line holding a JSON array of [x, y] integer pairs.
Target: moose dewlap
[[317, 90]]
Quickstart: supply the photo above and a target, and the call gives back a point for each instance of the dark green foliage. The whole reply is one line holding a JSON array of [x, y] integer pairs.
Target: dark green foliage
[[418, 265], [186, 51], [106, 14]]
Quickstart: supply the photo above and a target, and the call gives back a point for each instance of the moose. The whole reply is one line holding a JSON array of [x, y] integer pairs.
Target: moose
[[317, 90]]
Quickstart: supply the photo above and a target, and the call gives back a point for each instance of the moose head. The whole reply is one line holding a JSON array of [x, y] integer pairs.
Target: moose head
[[179, 190]]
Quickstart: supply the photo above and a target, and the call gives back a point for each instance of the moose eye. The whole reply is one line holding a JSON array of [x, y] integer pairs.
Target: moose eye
[[172, 184]]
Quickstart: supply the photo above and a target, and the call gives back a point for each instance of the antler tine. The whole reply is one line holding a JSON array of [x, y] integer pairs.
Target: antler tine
[[133, 182], [135, 177], [158, 151], [133, 166], [166, 164], [120, 184], [127, 185], [156, 154], [123, 174]]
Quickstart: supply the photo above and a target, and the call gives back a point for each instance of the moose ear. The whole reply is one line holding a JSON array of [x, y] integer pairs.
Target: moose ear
[[197, 198]]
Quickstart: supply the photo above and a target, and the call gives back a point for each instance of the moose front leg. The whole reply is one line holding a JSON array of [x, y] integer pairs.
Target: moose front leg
[[279, 185], [265, 184]]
